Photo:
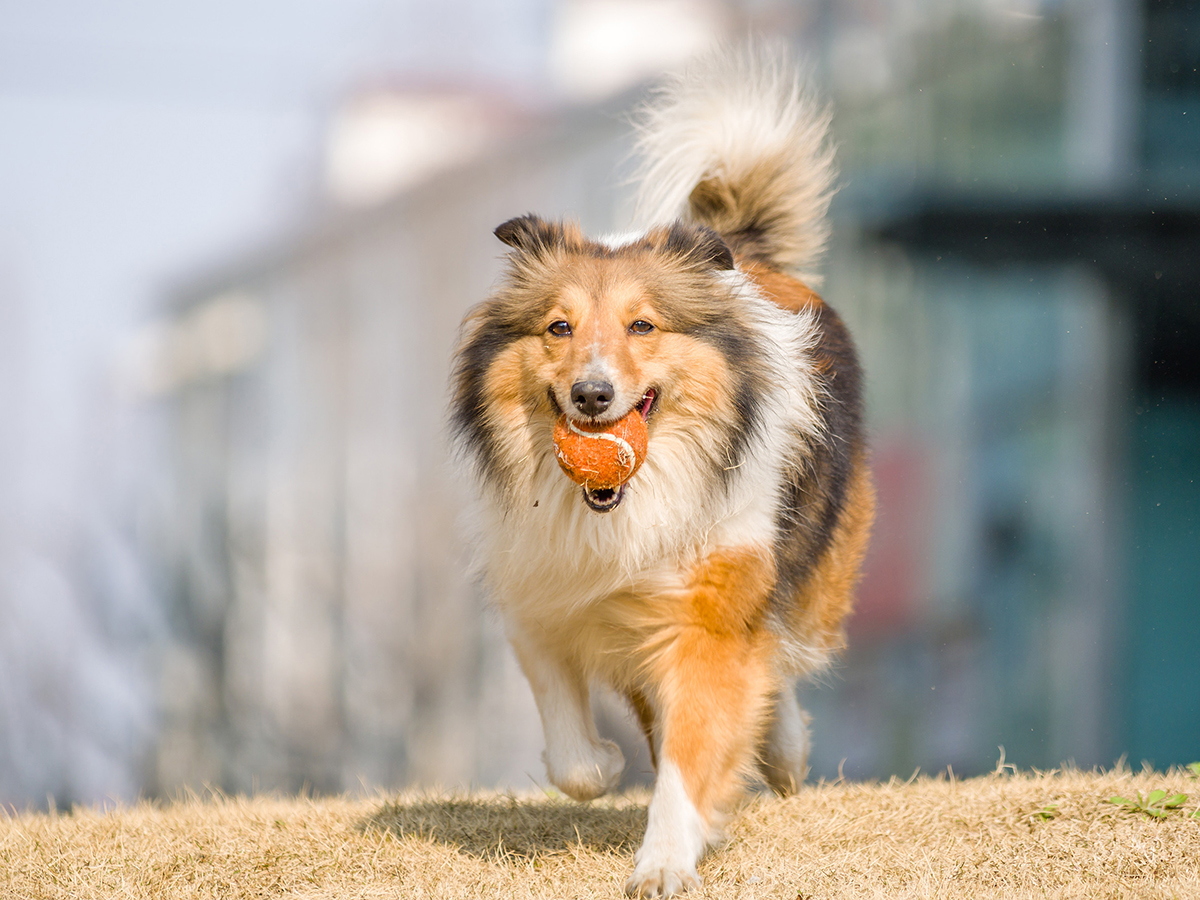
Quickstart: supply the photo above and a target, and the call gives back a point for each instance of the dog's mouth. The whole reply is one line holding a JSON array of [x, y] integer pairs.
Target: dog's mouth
[[603, 500], [646, 405]]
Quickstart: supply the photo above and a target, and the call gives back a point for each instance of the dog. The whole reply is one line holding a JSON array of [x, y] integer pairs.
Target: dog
[[705, 586]]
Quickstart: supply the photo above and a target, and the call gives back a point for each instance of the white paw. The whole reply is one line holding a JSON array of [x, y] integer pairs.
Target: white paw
[[676, 835], [587, 773], [649, 879]]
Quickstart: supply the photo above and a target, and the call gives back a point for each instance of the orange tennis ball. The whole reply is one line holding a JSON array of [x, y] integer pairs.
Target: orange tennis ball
[[601, 456]]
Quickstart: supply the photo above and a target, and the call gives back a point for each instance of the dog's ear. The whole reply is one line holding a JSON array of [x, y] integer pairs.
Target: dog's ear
[[699, 246], [531, 234]]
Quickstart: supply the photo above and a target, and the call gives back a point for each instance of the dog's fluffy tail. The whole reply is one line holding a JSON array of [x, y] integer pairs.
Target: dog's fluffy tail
[[737, 143]]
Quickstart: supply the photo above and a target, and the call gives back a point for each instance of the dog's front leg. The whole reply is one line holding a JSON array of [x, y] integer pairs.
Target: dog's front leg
[[710, 685], [578, 761]]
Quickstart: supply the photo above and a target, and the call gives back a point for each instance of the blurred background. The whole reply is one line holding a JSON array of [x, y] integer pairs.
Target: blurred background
[[236, 240]]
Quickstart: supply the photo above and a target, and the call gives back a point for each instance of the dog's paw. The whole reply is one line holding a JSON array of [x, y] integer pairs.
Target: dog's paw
[[587, 775], [650, 879]]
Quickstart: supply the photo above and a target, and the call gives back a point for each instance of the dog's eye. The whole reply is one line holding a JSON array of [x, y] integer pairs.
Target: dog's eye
[[641, 326], [560, 328]]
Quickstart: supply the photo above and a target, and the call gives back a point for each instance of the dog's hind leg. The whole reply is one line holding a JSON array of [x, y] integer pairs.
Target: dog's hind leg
[[645, 714], [578, 761], [783, 753]]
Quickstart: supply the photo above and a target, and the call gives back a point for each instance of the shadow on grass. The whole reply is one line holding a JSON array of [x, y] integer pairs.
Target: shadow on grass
[[499, 827]]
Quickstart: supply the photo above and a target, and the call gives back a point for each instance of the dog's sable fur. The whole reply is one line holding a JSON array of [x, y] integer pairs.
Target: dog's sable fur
[[723, 570]]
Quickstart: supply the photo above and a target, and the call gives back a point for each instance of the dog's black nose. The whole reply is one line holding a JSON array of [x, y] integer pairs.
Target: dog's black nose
[[591, 397]]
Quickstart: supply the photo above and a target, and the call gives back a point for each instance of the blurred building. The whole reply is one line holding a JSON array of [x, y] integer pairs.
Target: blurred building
[[1025, 306], [1033, 193]]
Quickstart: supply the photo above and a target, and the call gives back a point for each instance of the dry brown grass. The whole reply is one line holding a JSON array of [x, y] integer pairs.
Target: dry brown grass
[[997, 836]]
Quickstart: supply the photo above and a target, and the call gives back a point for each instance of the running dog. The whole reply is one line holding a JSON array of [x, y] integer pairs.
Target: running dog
[[720, 573]]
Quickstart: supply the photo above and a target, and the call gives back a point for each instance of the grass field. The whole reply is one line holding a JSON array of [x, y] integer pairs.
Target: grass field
[[1004, 835]]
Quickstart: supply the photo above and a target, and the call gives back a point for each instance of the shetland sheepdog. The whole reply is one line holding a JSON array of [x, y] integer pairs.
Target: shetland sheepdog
[[721, 572]]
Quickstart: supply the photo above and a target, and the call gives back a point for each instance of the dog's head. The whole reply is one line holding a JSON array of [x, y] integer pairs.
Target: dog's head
[[596, 329]]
